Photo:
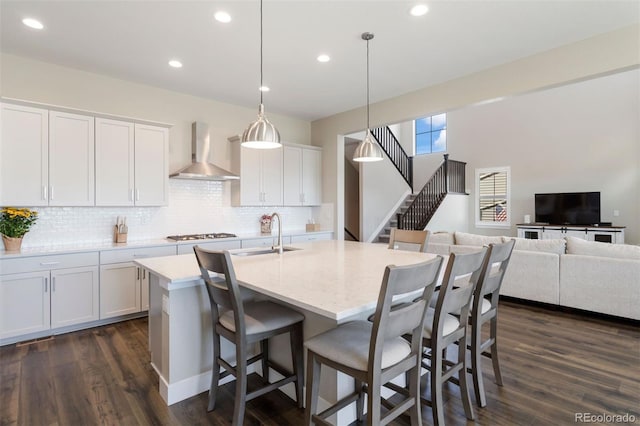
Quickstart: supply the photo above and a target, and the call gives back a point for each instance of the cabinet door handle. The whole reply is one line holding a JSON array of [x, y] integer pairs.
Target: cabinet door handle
[[53, 284], [137, 194], [49, 263], [138, 269], [46, 284], [144, 274], [131, 195], [44, 192], [51, 193]]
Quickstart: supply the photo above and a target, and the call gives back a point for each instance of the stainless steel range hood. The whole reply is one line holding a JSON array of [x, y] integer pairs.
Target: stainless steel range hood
[[200, 169]]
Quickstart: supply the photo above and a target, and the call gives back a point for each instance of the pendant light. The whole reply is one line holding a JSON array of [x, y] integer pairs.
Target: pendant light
[[368, 150], [261, 134]]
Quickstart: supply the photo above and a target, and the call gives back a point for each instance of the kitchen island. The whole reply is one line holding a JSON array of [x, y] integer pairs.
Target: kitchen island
[[330, 282]]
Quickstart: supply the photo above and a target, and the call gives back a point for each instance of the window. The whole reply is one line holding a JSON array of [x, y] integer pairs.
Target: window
[[493, 198], [431, 134]]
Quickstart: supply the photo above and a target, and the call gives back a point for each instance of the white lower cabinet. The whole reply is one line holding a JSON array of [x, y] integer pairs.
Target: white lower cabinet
[[215, 245], [119, 290], [47, 292], [25, 304], [74, 296], [124, 287], [305, 238]]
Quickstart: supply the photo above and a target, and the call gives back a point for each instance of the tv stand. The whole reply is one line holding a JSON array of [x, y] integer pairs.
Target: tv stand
[[603, 234]]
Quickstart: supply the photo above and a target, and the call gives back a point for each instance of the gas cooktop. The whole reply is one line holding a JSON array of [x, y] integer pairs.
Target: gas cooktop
[[201, 236]]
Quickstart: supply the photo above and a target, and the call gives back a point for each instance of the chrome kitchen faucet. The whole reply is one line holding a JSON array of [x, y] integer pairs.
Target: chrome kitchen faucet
[[279, 244]]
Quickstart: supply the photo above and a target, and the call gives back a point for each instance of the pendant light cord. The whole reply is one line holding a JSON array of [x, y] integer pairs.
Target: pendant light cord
[[261, 53], [368, 84]]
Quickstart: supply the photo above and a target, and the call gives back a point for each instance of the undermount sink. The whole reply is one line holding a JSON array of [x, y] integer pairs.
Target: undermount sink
[[254, 252]]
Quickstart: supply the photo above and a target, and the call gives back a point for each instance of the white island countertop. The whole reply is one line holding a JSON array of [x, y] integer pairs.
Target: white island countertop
[[335, 279]]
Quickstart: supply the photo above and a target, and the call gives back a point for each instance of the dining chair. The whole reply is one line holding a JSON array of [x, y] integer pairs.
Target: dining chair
[[374, 353], [485, 309], [443, 328], [245, 323], [408, 239]]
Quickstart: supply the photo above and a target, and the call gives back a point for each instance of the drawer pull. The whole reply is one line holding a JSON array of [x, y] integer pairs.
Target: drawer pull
[[49, 263]]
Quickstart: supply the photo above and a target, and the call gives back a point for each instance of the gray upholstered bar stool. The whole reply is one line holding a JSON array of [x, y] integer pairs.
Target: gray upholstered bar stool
[[407, 239], [443, 328], [244, 324], [375, 353], [485, 309]]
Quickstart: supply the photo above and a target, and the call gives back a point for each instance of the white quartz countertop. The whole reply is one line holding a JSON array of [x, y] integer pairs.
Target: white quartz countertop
[[81, 247], [335, 279]]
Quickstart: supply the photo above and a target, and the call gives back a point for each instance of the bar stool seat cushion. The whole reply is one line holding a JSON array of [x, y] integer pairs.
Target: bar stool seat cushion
[[451, 324], [262, 316], [486, 305], [348, 344]]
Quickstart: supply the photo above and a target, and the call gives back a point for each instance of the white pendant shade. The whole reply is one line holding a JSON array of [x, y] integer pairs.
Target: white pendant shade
[[261, 134], [368, 150]]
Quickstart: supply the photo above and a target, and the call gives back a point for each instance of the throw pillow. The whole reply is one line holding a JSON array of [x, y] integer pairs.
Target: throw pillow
[[593, 248], [462, 238], [556, 246], [441, 237]]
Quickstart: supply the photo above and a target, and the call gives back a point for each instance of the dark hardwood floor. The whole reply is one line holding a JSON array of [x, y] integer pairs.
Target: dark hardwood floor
[[554, 364]]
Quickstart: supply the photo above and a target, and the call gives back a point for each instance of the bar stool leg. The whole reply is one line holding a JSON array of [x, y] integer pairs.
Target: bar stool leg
[[313, 386], [215, 373], [476, 364], [264, 347], [298, 361], [241, 384]]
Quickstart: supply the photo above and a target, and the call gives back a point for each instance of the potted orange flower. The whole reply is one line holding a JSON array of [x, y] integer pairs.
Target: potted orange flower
[[14, 223]]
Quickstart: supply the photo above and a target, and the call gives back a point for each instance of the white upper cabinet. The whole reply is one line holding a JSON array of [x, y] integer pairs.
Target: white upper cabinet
[[47, 157], [71, 159], [114, 163], [131, 164], [24, 156], [151, 165], [260, 181], [302, 176]]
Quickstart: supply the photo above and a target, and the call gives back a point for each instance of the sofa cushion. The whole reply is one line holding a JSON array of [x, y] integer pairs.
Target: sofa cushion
[[465, 239], [441, 237], [593, 248], [556, 246]]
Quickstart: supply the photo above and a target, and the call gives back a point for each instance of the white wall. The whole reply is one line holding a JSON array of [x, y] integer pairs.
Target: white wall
[[381, 189], [193, 206], [451, 215], [587, 59], [43, 82], [579, 137]]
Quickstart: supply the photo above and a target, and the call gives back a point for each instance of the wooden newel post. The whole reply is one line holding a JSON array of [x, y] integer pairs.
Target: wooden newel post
[[446, 172]]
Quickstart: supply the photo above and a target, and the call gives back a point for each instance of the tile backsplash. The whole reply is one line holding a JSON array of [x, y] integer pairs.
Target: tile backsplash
[[194, 207]]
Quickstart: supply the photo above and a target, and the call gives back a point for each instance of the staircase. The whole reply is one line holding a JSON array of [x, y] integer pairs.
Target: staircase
[[399, 158], [419, 208], [384, 235]]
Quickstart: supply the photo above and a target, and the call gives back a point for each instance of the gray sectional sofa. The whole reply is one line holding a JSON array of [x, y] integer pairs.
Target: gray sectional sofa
[[569, 272]]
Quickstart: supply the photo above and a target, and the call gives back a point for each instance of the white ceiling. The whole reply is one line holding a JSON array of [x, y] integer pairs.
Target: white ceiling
[[134, 40]]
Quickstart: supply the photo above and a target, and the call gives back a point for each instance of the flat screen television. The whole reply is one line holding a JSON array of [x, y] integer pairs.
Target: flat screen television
[[571, 208]]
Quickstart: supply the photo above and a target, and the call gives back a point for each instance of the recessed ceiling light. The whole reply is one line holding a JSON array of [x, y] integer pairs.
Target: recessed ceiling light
[[222, 16], [264, 88], [324, 58], [419, 10], [33, 23], [175, 63]]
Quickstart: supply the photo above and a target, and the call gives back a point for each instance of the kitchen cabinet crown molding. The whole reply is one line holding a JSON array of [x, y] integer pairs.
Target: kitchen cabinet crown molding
[[71, 110]]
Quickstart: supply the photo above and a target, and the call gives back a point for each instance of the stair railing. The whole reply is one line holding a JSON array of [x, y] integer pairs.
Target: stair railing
[[448, 178], [395, 152]]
